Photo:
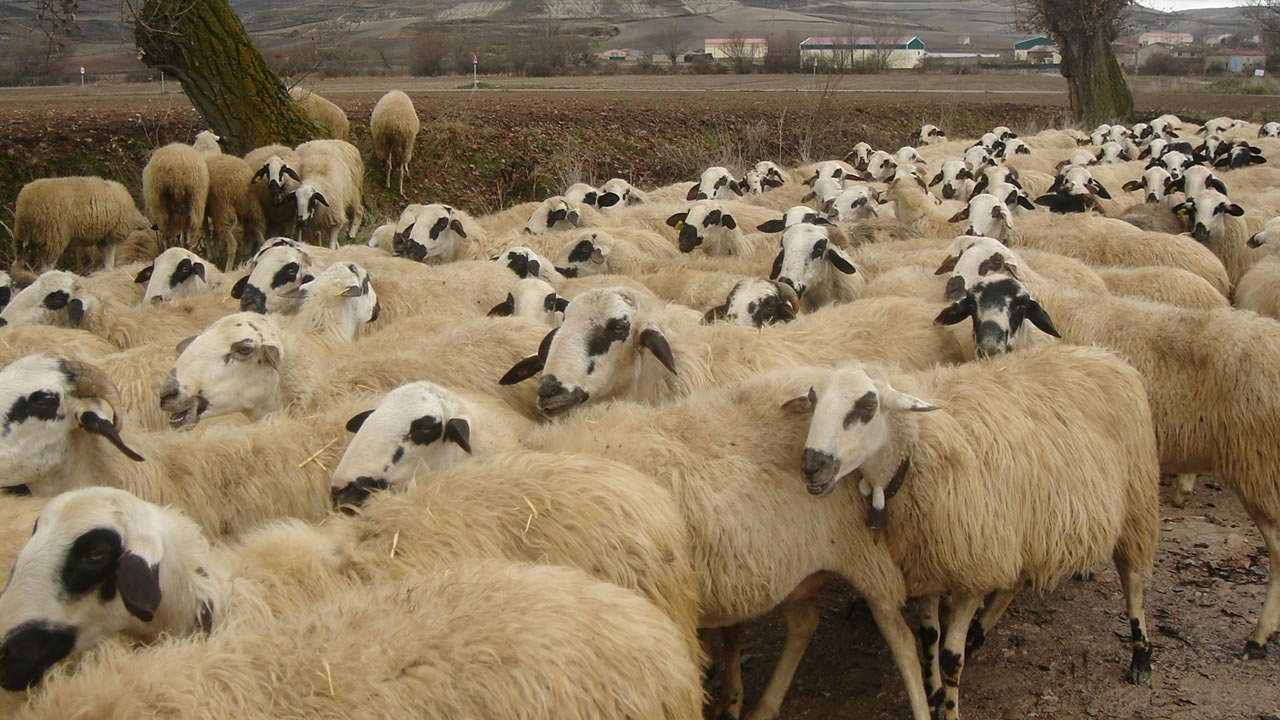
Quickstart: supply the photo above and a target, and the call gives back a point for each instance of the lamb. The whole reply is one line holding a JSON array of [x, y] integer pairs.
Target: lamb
[[862, 423], [53, 215], [275, 164], [1257, 290], [207, 143], [804, 537], [175, 185], [533, 299], [250, 597], [394, 128], [176, 274], [330, 194], [819, 273], [231, 204], [324, 112], [624, 343], [274, 366], [1210, 383]]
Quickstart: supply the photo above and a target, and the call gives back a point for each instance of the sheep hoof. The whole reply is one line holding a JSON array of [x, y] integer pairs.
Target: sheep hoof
[[1140, 668], [935, 700], [726, 715], [1254, 651]]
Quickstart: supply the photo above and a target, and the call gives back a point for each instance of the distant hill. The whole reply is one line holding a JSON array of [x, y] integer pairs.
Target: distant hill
[[383, 29]]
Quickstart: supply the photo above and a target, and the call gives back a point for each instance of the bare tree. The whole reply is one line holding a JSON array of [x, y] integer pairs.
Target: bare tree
[[1083, 31], [671, 41], [1265, 15], [740, 52]]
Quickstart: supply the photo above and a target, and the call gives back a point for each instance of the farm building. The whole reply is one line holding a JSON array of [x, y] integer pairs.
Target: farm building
[[1234, 60], [898, 53], [1161, 37], [734, 48], [1038, 50]]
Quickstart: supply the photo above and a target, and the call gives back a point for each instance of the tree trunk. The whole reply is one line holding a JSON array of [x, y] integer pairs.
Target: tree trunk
[[1096, 87], [204, 46]]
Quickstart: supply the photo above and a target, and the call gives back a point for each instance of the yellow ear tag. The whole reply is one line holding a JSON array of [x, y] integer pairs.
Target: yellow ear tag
[[679, 225]]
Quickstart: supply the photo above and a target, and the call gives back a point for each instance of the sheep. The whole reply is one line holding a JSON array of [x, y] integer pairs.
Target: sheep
[[8, 288], [437, 233], [232, 203], [854, 205], [53, 215], [175, 185], [987, 215], [253, 365], [715, 183], [713, 226], [207, 143], [1074, 191], [917, 209], [617, 193], [615, 250], [275, 164], [1214, 221], [617, 343], [226, 609], [331, 191], [824, 192], [819, 273], [1162, 284], [394, 128], [1269, 130], [1211, 386], [753, 302], [278, 268], [533, 299], [1257, 290], [441, 295], [865, 425], [337, 302], [1157, 183], [929, 135], [1219, 125], [324, 112], [956, 179], [176, 274], [554, 213]]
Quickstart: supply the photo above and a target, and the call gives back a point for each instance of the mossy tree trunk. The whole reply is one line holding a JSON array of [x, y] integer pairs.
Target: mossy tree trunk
[[1096, 86], [203, 44], [1083, 31]]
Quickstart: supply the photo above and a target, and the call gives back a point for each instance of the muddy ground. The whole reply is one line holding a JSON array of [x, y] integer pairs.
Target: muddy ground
[[1060, 654]]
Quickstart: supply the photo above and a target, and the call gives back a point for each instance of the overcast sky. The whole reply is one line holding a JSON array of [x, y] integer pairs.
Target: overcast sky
[[1188, 4]]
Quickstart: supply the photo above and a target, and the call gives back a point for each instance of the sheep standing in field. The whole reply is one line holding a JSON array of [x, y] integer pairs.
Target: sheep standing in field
[[235, 215], [53, 215], [175, 185], [274, 180], [394, 127], [1211, 380], [207, 143], [330, 195], [324, 112], [226, 610]]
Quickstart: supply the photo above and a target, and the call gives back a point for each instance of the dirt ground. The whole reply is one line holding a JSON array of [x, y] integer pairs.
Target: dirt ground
[[1060, 654]]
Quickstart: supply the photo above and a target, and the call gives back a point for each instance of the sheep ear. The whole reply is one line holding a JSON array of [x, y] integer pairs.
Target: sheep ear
[[237, 290], [144, 275], [776, 225], [319, 197], [1132, 186], [693, 193], [960, 216], [182, 345], [802, 405], [727, 221], [677, 220], [948, 265], [506, 308], [138, 575], [522, 371], [716, 313], [955, 288], [1038, 317], [262, 173], [199, 270], [456, 226], [357, 421], [655, 342], [272, 355], [1234, 209], [936, 179], [75, 311], [840, 261], [458, 431], [894, 400], [94, 423], [286, 170], [994, 263], [956, 312], [1099, 190], [561, 304]]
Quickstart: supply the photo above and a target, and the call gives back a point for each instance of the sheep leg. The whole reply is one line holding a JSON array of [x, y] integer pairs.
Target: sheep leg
[[1182, 487], [991, 613], [902, 645], [232, 244], [729, 706], [109, 256], [333, 237], [960, 612], [800, 609], [387, 184], [930, 632], [1132, 583], [1269, 617]]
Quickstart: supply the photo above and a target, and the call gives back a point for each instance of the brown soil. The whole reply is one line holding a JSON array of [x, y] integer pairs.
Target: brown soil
[[1055, 655]]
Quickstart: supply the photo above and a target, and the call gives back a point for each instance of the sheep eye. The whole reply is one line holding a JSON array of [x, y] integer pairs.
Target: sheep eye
[[618, 329], [96, 556]]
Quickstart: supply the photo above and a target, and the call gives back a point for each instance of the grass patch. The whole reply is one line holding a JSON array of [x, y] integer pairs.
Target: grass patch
[[1243, 86]]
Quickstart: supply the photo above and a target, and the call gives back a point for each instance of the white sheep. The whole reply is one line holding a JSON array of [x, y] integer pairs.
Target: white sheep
[[919, 210], [330, 194], [712, 226], [394, 128], [820, 273], [956, 179], [554, 214], [1210, 380], [226, 610], [1215, 222], [534, 299], [177, 273], [1259, 289], [526, 263], [53, 215], [324, 112], [232, 209], [280, 266], [715, 183], [617, 250], [753, 302], [617, 193], [929, 135], [175, 186], [207, 143], [437, 233], [275, 178]]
